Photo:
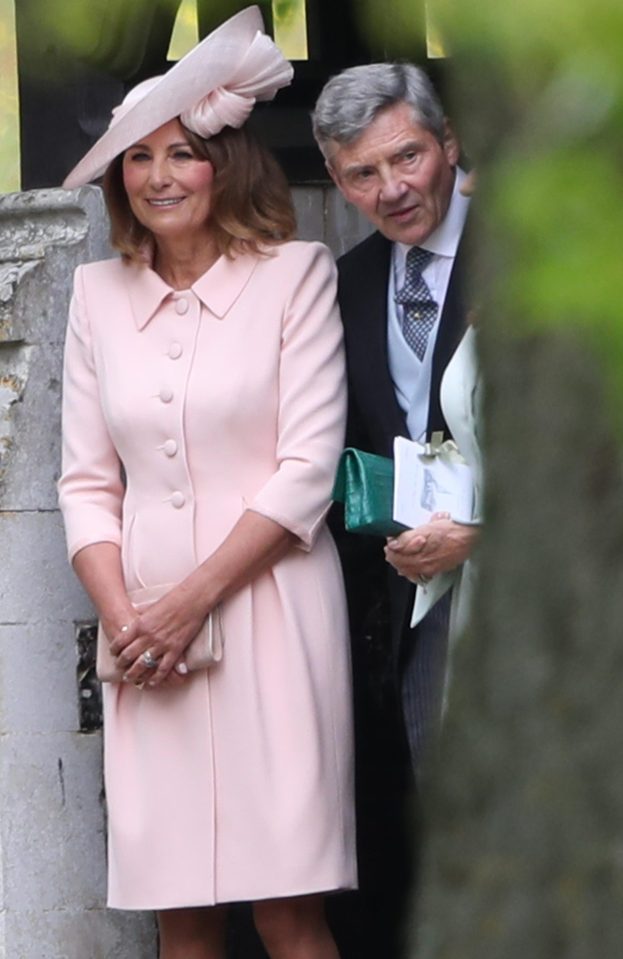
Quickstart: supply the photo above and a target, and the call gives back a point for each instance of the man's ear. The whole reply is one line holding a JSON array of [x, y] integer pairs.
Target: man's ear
[[451, 145]]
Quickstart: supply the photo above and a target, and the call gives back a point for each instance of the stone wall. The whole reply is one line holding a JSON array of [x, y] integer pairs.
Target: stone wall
[[52, 817], [52, 854]]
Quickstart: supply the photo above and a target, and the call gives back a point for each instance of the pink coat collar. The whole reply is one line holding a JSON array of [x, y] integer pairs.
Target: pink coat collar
[[218, 288]]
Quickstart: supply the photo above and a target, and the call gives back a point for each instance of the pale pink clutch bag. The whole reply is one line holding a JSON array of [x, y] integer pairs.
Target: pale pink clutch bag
[[205, 650]]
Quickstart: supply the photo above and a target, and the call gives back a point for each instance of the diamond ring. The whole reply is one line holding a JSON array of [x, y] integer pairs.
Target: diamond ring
[[149, 660]]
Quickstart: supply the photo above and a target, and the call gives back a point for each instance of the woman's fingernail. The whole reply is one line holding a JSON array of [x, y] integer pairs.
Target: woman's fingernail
[[181, 668]]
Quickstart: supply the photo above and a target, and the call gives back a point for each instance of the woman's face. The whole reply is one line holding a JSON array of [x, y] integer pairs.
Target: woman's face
[[168, 186]]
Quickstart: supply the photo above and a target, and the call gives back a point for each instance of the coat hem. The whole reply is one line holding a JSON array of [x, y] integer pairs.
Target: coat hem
[[199, 902]]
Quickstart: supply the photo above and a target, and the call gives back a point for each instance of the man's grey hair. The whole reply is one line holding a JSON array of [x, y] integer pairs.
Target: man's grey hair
[[350, 101]]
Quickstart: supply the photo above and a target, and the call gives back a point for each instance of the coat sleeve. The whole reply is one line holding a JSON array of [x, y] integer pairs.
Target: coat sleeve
[[90, 487], [312, 400]]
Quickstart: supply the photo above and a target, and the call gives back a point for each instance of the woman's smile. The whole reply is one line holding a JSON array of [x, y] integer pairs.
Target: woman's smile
[[168, 201]]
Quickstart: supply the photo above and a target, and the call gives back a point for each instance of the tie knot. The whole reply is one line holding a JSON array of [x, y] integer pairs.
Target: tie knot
[[415, 288], [417, 260]]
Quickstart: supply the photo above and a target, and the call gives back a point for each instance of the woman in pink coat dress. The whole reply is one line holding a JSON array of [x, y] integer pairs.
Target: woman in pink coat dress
[[203, 417]]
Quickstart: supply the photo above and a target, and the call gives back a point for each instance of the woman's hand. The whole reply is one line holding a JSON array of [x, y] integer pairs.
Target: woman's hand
[[159, 635], [440, 545], [163, 631]]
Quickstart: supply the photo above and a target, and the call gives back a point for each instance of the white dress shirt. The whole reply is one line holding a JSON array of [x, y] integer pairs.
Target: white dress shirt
[[412, 376]]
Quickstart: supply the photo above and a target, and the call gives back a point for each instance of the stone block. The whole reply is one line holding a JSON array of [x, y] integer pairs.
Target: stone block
[[77, 934], [52, 821], [45, 234], [34, 221], [38, 585], [12, 323], [38, 683], [30, 426]]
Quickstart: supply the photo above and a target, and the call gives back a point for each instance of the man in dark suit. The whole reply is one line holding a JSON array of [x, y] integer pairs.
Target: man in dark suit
[[392, 153]]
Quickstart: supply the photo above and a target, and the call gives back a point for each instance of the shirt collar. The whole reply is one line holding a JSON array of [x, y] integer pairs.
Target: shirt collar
[[444, 241], [218, 288]]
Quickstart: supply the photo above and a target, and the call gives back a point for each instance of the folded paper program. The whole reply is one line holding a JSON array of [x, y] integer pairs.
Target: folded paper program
[[430, 478]]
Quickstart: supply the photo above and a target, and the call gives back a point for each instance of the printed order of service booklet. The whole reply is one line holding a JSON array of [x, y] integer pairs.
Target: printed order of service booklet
[[428, 479]]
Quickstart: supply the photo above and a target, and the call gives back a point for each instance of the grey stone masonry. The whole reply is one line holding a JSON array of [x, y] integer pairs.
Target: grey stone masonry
[[52, 819]]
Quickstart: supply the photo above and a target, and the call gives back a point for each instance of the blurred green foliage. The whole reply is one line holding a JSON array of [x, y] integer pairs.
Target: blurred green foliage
[[117, 36], [112, 35], [538, 88], [9, 117], [393, 28]]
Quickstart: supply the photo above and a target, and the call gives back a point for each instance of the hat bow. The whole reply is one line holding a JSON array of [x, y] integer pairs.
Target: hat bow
[[261, 73]]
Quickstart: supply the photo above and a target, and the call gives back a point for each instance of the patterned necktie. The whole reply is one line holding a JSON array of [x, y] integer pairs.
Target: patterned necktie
[[419, 309]]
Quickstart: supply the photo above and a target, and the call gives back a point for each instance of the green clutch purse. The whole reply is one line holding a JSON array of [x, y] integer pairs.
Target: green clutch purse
[[365, 485]]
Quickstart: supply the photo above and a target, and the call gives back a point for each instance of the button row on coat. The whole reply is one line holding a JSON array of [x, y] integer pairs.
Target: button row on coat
[[169, 447]]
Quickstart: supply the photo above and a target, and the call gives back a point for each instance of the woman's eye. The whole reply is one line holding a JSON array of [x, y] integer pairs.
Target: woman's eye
[[183, 155], [139, 156]]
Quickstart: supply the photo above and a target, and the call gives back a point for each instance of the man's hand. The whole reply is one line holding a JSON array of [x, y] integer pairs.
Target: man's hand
[[438, 546]]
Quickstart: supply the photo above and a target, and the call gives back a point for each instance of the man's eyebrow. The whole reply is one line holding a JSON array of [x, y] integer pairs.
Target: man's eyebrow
[[409, 145], [357, 168], [406, 147]]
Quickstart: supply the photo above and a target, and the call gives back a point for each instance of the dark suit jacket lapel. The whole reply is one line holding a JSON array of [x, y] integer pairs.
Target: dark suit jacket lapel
[[364, 277]]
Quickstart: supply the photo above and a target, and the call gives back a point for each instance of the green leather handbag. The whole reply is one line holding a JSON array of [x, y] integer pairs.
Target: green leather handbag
[[365, 485]]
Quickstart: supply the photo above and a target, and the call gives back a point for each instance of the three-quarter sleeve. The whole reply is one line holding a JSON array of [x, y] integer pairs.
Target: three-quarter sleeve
[[90, 487], [312, 399]]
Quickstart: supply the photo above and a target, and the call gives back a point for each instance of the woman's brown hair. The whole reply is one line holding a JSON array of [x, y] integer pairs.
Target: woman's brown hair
[[251, 205]]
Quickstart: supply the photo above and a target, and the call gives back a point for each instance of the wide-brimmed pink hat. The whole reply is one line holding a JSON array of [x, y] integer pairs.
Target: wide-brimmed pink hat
[[215, 85]]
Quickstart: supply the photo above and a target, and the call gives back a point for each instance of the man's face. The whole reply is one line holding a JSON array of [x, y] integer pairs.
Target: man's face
[[398, 174]]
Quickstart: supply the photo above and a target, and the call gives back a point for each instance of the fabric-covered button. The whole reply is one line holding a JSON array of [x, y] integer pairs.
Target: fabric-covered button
[[177, 499], [181, 306], [169, 447], [166, 395], [175, 350]]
